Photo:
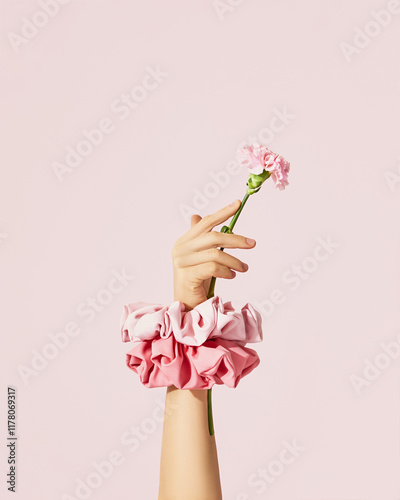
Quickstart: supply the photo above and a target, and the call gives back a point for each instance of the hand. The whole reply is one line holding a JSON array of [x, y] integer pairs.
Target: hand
[[196, 257]]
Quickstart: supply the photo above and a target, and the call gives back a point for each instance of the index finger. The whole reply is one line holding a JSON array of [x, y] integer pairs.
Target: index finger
[[208, 222]]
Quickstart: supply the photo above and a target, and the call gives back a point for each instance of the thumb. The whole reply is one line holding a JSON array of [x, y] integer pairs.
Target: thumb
[[194, 220]]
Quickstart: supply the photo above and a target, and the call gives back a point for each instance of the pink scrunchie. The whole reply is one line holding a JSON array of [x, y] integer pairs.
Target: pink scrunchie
[[191, 349]]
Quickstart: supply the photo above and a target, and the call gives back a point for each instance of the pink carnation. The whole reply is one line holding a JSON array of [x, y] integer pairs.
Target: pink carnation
[[253, 157], [279, 168], [257, 158]]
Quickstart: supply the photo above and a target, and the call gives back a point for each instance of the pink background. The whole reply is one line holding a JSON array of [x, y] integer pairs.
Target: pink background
[[225, 78]]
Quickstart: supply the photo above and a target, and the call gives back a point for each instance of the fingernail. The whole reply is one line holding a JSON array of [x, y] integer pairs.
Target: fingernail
[[233, 203], [249, 241], [245, 266], [233, 274]]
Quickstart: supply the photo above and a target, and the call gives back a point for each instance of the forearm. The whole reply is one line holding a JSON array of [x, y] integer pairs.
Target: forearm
[[189, 463]]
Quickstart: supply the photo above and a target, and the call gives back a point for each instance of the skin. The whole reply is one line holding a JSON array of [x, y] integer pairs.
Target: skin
[[189, 462]]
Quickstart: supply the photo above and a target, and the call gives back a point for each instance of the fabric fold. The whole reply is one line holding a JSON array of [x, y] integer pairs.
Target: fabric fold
[[191, 349], [165, 362], [210, 319]]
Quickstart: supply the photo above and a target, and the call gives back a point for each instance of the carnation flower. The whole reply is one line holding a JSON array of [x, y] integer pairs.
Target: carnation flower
[[279, 168], [263, 163], [253, 157]]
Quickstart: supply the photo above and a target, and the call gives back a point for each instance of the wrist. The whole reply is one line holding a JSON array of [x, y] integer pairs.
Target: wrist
[[198, 394], [188, 300]]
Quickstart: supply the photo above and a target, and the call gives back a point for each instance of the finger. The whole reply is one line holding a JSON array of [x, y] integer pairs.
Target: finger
[[210, 269], [211, 255], [194, 220], [214, 239], [210, 221]]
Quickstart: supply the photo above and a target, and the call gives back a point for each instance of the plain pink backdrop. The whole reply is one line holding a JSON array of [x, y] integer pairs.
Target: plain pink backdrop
[[227, 77]]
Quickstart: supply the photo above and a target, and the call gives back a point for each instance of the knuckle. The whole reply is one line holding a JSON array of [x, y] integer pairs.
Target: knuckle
[[213, 266], [174, 253], [214, 253], [177, 261], [213, 236], [177, 249]]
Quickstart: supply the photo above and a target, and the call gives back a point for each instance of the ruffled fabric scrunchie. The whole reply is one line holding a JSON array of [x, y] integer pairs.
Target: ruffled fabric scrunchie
[[191, 349]]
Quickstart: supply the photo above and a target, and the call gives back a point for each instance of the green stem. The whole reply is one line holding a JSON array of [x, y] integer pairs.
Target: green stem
[[236, 216], [225, 229]]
